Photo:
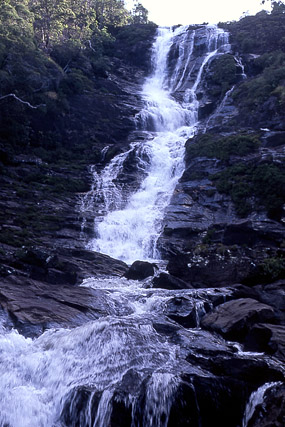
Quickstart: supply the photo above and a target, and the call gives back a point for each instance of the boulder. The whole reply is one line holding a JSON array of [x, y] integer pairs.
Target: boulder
[[273, 294], [186, 312], [140, 270], [267, 338], [271, 412], [64, 266], [166, 281], [233, 319], [32, 307]]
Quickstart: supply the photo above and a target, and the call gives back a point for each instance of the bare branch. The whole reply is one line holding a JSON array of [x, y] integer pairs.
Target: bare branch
[[23, 102], [90, 45], [66, 68]]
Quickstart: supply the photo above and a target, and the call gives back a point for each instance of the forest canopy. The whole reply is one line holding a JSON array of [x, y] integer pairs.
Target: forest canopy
[[51, 22]]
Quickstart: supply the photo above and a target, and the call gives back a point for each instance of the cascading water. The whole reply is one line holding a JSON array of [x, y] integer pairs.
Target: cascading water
[[130, 229], [129, 368]]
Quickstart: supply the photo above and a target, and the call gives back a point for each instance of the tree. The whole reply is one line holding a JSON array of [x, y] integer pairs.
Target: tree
[[51, 18], [111, 12], [139, 14], [15, 20]]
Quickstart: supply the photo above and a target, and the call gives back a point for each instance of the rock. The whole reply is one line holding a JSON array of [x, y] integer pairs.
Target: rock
[[207, 401], [140, 270], [64, 266], [267, 338], [243, 291], [273, 139], [166, 281], [273, 294], [271, 412], [33, 306], [233, 319], [76, 405], [210, 269], [186, 312]]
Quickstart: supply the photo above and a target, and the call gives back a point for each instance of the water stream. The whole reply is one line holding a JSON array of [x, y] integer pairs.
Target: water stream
[[130, 228], [132, 359]]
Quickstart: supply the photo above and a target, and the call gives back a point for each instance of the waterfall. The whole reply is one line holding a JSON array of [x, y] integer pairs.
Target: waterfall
[[113, 358], [143, 361], [130, 224], [256, 398]]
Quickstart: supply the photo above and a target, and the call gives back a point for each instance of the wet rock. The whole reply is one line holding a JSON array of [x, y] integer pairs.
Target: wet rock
[[140, 270], [166, 281], [186, 312], [80, 407], [205, 109], [267, 338], [81, 404], [233, 319], [165, 328], [273, 294], [256, 372], [271, 412], [64, 266], [274, 139], [207, 401], [33, 306]]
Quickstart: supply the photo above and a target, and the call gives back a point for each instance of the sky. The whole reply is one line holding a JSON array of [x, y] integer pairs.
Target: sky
[[172, 12]]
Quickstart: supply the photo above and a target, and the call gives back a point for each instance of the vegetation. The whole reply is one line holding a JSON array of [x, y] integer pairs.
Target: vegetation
[[215, 146], [253, 187], [273, 267], [268, 84], [254, 34], [222, 75], [50, 52]]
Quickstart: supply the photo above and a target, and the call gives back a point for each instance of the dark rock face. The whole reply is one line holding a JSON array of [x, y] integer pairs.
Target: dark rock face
[[272, 410], [166, 281], [140, 270], [40, 289], [268, 338], [186, 312], [205, 240], [234, 318], [214, 393]]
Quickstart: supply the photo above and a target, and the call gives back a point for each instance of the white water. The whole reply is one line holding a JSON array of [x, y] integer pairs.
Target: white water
[[130, 228], [256, 399], [36, 376]]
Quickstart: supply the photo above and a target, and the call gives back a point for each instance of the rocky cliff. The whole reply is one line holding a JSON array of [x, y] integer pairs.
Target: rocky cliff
[[86, 118], [224, 227]]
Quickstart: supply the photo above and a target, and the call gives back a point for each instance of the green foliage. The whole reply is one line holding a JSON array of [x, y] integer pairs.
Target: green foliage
[[139, 14], [50, 51], [252, 187], [270, 82], [133, 34], [16, 21], [255, 34], [222, 75], [215, 146], [274, 267], [75, 82], [207, 239]]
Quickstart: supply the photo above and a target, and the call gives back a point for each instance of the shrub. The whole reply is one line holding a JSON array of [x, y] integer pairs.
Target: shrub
[[215, 146], [253, 187]]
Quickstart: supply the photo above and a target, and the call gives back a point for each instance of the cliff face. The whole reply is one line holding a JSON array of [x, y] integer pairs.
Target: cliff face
[[223, 228], [46, 153], [225, 222]]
